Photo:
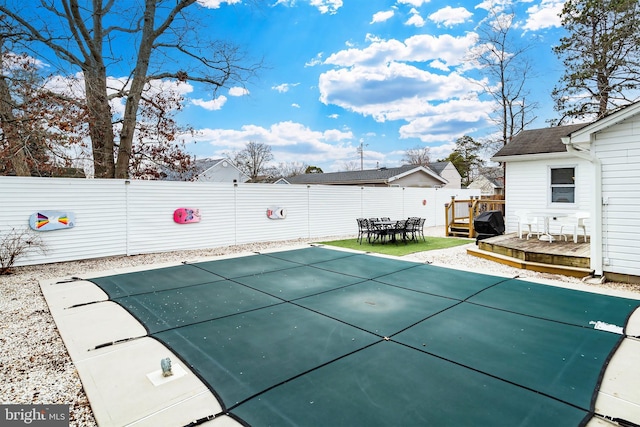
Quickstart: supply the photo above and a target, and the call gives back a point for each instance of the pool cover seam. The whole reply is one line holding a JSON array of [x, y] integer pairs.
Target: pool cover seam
[[492, 376], [315, 368], [562, 322], [444, 309]]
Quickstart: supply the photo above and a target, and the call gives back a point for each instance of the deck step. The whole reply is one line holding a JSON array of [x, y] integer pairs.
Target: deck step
[[565, 270], [459, 229]]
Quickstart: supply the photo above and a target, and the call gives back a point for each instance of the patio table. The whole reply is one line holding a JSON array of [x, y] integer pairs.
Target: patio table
[[392, 228], [547, 217]]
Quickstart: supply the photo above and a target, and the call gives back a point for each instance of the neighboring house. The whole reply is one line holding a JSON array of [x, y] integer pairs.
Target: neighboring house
[[449, 172], [211, 170], [404, 176], [591, 167], [488, 184]]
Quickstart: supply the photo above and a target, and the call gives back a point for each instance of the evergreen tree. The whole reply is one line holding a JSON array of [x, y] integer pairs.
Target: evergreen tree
[[601, 55], [466, 158]]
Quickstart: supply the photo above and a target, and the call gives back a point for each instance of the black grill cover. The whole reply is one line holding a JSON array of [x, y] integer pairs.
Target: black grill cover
[[490, 222]]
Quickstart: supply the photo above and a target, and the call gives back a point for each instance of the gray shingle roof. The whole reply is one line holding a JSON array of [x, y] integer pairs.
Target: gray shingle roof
[[199, 167], [381, 175], [438, 167], [538, 141]]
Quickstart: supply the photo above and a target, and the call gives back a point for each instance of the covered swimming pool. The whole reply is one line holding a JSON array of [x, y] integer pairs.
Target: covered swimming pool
[[316, 336]]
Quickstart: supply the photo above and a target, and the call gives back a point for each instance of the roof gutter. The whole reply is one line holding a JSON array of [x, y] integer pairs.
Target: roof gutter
[[596, 208]]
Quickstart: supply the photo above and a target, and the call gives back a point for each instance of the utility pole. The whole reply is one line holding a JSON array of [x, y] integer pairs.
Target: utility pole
[[361, 152]]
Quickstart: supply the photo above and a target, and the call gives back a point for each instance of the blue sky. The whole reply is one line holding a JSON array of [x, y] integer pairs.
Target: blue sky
[[391, 75], [388, 74]]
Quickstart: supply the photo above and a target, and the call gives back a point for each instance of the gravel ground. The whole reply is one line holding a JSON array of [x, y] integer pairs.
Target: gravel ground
[[35, 365]]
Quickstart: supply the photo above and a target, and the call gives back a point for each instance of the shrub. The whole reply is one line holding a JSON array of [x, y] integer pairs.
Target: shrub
[[17, 243]]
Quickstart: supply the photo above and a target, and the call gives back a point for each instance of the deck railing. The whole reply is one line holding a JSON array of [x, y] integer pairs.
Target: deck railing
[[459, 214]]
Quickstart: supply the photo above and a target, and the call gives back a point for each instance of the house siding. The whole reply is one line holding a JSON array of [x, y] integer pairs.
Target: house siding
[[451, 174], [618, 148], [419, 179], [528, 187], [486, 187], [220, 173]]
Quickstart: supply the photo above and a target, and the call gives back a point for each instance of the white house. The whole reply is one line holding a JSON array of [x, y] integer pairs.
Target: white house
[[487, 185], [219, 170], [591, 167], [211, 170]]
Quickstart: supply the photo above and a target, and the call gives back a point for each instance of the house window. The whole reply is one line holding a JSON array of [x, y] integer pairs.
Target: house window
[[563, 185]]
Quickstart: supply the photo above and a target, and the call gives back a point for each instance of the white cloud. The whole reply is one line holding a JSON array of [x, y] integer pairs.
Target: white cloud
[[72, 86], [289, 141], [238, 91], [385, 81], [544, 15], [447, 49], [416, 20], [215, 4], [449, 16], [382, 16], [327, 6], [333, 116], [415, 3], [212, 105], [289, 3], [12, 60], [439, 65], [294, 105], [284, 87], [372, 38], [314, 61], [448, 120], [394, 92], [494, 5]]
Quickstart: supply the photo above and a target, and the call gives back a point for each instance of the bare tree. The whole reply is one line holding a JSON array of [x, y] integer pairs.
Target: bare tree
[[601, 55], [14, 158], [351, 166], [38, 126], [286, 169], [416, 156], [167, 42], [253, 159], [507, 68]]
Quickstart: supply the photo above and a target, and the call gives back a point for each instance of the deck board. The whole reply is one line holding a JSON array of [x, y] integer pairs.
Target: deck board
[[533, 250]]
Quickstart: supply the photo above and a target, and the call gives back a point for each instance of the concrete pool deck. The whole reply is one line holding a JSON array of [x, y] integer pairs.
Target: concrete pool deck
[[119, 364]]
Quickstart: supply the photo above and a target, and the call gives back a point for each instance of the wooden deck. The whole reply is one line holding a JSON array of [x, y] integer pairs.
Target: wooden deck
[[558, 257]]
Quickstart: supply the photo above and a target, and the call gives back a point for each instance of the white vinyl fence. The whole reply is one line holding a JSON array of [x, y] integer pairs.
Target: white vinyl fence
[[122, 217]]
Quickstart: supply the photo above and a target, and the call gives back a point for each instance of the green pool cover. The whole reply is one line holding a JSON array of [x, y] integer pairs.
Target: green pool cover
[[322, 337]]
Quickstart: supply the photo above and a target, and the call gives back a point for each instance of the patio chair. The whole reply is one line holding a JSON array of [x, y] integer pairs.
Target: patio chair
[[412, 227], [401, 228], [419, 228], [528, 220], [363, 228], [577, 222], [376, 231]]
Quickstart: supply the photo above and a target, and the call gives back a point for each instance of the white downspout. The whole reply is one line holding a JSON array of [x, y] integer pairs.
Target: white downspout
[[596, 208]]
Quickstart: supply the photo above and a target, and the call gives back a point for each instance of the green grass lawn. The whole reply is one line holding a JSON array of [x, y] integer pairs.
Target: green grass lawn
[[400, 249]]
